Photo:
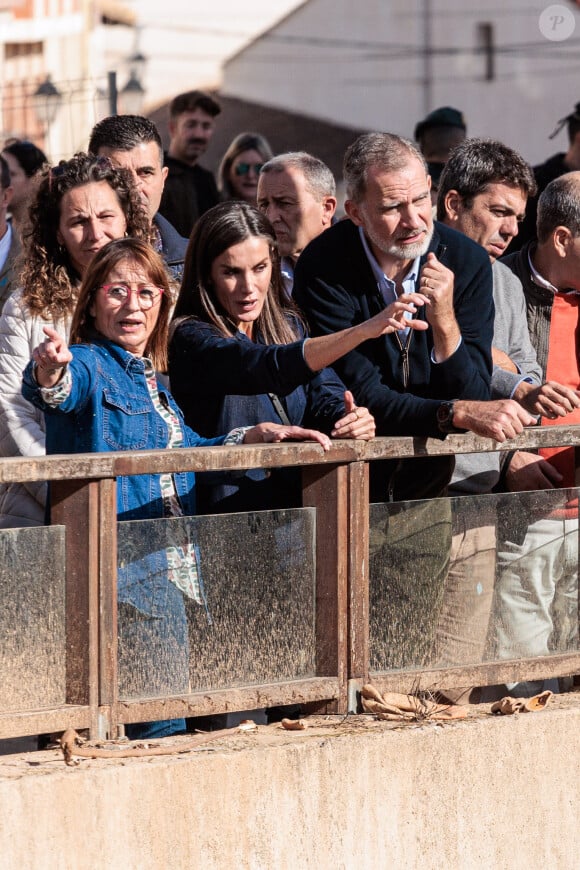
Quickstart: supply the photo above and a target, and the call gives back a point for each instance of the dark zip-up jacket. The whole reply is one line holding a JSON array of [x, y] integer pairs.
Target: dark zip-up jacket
[[335, 286], [188, 193], [173, 246]]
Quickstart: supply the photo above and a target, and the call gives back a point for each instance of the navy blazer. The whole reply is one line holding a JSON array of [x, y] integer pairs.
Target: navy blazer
[[173, 246], [222, 382], [336, 287]]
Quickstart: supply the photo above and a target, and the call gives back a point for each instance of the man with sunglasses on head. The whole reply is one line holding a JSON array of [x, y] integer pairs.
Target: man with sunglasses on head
[[297, 193], [555, 166], [190, 189], [133, 142]]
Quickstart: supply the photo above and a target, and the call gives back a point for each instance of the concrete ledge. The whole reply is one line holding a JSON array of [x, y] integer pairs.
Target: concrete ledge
[[484, 792]]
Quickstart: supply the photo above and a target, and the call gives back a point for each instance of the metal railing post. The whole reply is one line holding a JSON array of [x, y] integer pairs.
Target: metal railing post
[[325, 487], [358, 575], [75, 504]]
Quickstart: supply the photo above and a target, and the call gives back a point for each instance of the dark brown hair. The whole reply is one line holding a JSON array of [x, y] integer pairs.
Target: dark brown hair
[[192, 100], [477, 163], [223, 226], [28, 156]]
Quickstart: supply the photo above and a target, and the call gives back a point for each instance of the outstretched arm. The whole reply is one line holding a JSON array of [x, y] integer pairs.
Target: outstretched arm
[[324, 350]]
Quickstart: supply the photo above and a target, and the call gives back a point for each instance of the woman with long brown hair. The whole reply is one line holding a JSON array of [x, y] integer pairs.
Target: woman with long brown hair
[[235, 324]]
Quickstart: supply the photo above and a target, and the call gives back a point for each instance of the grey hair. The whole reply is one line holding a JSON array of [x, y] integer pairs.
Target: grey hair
[[319, 179], [559, 206], [387, 150]]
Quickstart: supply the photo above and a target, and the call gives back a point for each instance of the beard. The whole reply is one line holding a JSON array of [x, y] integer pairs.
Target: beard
[[398, 251]]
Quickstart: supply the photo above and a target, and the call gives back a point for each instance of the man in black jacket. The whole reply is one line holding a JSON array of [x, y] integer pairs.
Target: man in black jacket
[[134, 143], [190, 189], [555, 166], [426, 383]]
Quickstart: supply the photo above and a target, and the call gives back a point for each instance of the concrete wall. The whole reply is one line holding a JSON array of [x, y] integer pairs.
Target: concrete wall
[[485, 792]]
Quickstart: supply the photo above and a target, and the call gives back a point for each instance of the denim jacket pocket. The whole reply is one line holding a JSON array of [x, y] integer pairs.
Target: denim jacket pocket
[[126, 420]]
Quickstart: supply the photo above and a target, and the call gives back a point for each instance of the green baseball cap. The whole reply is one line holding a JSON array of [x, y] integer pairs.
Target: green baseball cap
[[443, 117]]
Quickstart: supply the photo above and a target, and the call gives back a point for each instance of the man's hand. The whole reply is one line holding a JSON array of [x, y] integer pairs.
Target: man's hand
[[528, 471], [436, 283], [356, 423], [550, 399], [499, 420]]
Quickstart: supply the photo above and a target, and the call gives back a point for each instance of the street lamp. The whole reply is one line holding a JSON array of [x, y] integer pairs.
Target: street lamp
[[46, 101], [137, 63], [132, 95]]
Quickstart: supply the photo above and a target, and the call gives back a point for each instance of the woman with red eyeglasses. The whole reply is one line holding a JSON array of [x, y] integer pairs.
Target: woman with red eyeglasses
[[102, 394]]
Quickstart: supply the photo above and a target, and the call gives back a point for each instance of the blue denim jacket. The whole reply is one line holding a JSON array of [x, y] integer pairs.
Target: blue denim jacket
[[109, 408]]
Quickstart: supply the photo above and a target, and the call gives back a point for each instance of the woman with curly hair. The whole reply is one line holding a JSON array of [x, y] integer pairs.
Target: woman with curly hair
[[79, 206], [240, 167]]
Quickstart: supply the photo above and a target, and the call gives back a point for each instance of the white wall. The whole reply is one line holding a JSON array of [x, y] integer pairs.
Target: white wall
[[363, 64]]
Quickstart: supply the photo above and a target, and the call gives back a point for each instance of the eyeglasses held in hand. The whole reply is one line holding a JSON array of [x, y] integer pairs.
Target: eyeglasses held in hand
[[244, 168], [119, 293]]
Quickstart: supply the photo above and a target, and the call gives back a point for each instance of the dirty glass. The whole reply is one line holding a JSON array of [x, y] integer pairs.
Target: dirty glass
[[247, 619], [32, 618], [466, 580]]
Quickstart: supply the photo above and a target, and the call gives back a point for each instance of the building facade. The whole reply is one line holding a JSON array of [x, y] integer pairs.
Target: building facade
[[383, 64]]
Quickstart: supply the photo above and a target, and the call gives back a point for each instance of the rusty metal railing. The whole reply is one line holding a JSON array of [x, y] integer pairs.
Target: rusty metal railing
[[335, 483]]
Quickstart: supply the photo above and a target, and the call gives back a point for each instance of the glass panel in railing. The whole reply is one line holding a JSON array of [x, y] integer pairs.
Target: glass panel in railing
[[409, 559], [535, 610], [471, 579], [32, 618], [215, 601]]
